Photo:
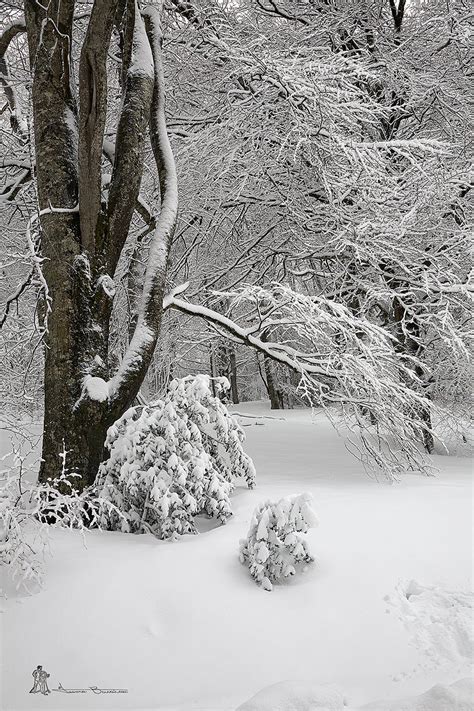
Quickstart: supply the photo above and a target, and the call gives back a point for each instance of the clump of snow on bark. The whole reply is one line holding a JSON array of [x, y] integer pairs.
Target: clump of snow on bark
[[173, 460], [272, 549], [295, 696], [439, 621], [96, 388], [106, 283]]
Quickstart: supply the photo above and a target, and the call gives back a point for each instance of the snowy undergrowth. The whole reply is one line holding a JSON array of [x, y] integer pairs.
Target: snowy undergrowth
[[272, 549], [28, 511], [174, 460]]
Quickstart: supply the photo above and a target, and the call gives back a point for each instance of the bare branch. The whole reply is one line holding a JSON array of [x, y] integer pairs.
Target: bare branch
[[16, 295]]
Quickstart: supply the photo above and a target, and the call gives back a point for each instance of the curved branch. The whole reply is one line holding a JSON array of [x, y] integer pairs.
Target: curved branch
[[11, 31], [124, 386]]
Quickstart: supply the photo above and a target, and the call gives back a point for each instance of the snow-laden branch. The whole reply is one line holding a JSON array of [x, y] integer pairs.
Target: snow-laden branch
[[17, 121], [341, 359], [10, 32], [247, 336], [11, 189]]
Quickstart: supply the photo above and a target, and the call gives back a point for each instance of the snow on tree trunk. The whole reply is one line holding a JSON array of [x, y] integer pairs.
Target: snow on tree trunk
[[173, 460], [83, 229]]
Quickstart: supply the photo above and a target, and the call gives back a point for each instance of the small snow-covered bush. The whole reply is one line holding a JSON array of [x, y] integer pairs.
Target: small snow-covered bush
[[272, 549], [173, 460]]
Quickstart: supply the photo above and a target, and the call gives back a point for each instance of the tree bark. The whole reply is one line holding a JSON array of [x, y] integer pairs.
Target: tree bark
[[274, 393], [223, 362], [271, 382], [57, 182], [81, 236]]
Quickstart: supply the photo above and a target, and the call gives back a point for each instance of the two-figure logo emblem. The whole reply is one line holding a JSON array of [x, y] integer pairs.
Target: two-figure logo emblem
[[40, 677]]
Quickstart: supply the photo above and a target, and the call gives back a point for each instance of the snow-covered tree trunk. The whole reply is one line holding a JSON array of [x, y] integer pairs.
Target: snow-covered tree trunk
[[82, 230], [54, 110]]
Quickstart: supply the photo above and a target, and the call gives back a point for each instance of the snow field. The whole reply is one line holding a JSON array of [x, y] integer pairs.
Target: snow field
[[184, 627]]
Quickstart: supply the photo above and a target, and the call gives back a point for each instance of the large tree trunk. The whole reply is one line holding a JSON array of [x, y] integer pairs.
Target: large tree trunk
[[271, 383], [82, 236], [65, 429], [57, 181]]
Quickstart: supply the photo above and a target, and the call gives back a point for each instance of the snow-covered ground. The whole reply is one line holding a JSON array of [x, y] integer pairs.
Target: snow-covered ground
[[385, 613]]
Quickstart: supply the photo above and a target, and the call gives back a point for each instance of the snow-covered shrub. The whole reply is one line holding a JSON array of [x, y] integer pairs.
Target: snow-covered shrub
[[173, 460], [272, 549], [27, 511]]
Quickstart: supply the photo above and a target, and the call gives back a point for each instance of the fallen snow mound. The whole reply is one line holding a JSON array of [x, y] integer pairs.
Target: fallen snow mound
[[305, 696], [455, 697], [439, 621], [295, 696]]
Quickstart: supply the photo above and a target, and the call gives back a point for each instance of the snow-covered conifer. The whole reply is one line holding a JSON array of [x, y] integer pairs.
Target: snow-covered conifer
[[173, 460], [272, 549]]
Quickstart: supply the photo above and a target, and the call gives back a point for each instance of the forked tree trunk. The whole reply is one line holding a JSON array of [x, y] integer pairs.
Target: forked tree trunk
[[82, 234]]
